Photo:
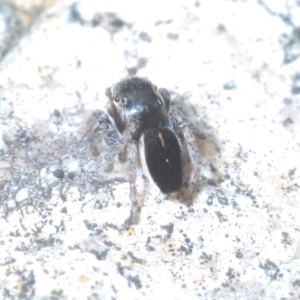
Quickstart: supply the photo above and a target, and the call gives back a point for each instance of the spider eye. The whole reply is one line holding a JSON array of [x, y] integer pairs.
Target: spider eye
[[118, 99]]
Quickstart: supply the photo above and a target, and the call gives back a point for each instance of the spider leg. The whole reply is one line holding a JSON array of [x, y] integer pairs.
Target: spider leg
[[100, 127], [132, 158], [183, 128], [178, 122], [132, 164]]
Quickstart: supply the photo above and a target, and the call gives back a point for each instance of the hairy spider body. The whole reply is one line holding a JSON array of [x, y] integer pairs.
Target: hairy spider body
[[138, 112]]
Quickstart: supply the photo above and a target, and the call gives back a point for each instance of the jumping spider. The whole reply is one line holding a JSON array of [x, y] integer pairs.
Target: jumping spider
[[138, 119]]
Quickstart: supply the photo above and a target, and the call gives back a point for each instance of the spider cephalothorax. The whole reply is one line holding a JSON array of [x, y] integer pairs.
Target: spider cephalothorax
[[137, 113]]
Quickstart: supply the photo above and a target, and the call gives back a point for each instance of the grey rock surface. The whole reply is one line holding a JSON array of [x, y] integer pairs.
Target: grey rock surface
[[234, 68]]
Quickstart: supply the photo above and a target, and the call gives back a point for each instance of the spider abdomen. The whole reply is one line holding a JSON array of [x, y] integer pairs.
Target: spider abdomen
[[163, 159]]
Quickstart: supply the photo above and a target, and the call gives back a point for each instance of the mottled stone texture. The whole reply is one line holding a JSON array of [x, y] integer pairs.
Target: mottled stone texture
[[234, 68]]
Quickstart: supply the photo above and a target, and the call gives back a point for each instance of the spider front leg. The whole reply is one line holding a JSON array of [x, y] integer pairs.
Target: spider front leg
[[182, 127], [101, 128], [132, 159]]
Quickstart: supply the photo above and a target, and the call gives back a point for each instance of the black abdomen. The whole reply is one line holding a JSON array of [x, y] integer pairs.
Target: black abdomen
[[163, 158]]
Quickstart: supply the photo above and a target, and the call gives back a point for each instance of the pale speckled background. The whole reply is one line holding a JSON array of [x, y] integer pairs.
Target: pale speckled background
[[235, 68]]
